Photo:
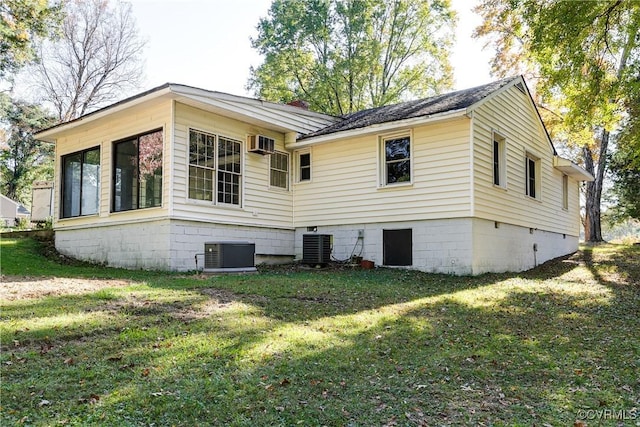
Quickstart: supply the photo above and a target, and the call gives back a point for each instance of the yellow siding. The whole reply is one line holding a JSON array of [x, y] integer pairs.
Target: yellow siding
[[261, 206], [345, 174], [103, 132], [512, 116]]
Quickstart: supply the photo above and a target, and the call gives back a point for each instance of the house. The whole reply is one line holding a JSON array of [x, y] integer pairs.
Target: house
[[464, 183], [11, 211]]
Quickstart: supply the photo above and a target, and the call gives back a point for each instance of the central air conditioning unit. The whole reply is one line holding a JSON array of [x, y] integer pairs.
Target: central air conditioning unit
[[262, 144], [316, 248], [229, 257]]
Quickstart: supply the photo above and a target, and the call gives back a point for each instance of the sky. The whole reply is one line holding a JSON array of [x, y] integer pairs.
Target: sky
[[206, 43]]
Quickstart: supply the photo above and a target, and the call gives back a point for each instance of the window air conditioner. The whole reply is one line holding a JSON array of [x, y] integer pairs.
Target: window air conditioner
[[261, 144], [225, 257]]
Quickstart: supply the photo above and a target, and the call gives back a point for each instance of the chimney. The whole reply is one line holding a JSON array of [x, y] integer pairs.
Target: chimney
[[299, 103]]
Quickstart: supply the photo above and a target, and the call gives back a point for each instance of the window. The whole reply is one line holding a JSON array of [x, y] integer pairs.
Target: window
[[137, 175], [279, 170], [214, 156], [499, 163], [81, 183], [397, 246], [201, 165], [397, 160], [229, 171], [532, 177], [305, 167], [565, 192]]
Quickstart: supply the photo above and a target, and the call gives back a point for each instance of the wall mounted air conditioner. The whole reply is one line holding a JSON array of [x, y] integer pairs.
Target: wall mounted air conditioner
[[229, 257], [261, 144], [316, 248]]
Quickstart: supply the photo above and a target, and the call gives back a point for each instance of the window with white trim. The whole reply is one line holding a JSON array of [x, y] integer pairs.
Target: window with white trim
[[532, 176], [214, 156], [396, 165], [565, 192], [499, 162], [304, 166], [279, 170]]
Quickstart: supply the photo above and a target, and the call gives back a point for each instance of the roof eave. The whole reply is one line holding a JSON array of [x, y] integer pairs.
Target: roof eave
[[377, 128], [567, 167]]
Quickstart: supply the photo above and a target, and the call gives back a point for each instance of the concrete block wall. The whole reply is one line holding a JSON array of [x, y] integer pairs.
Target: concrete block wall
[[188, 239], [458, 246], [500, 247], [439, 246], [138, 245]]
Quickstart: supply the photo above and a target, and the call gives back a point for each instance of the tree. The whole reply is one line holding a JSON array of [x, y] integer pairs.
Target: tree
[[96, 58], [344, 56], [20, 22], [625, 165], [22, 158], [585, 56]]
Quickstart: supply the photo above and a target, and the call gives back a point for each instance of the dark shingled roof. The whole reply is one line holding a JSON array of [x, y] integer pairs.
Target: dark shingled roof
[[412, 109]]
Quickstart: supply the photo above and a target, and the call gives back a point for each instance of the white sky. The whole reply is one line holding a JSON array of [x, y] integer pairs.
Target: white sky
[[206, 43]]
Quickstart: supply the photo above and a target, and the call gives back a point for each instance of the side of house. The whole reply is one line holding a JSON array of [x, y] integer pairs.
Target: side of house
[[145, 183], [481, 191]]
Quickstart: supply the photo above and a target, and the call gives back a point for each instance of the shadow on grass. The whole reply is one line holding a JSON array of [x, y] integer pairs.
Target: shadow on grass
[[385, 347]]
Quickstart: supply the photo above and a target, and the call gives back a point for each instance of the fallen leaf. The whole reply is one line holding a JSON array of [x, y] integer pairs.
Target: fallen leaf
[[69, 361], [44, 403], [285, 381], [145, 372]]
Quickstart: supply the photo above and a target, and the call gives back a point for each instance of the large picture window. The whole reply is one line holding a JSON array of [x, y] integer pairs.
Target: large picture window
[[397, 160], [81, 183], [137, 174], [214, 156]]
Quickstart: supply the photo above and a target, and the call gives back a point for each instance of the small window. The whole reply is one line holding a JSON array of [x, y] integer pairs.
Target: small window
[[397, 160], [81, 183], [279, 170], [532, 174], [499, 163], [304, 160], [137, 174], [397, 247], [565, 192]]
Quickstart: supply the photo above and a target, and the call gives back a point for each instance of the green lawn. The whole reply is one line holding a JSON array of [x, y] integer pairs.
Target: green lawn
[[349, 347]]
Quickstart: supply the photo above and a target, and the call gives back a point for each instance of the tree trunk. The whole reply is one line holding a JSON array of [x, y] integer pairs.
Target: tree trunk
[[593, 194]]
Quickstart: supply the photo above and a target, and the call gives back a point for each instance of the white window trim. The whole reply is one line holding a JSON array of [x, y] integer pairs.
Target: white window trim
[[275, 187], [538, 173], [297, 166], [215, 202], [382, 160], [502, 160], [565, 192]]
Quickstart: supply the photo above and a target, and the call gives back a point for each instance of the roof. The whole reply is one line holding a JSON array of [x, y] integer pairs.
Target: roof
[[281, 117], [439, 104]]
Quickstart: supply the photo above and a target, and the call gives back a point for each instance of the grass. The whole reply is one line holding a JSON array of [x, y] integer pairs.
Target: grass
[[353, 347]]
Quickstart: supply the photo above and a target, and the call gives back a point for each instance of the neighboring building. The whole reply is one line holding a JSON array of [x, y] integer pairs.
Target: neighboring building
[[11, 211], [464, 183]]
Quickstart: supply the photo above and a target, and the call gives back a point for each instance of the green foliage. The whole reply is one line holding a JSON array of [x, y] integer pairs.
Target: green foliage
[[22, 158], [20, 22], [585, 58], [349, 347], [342, 57]]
